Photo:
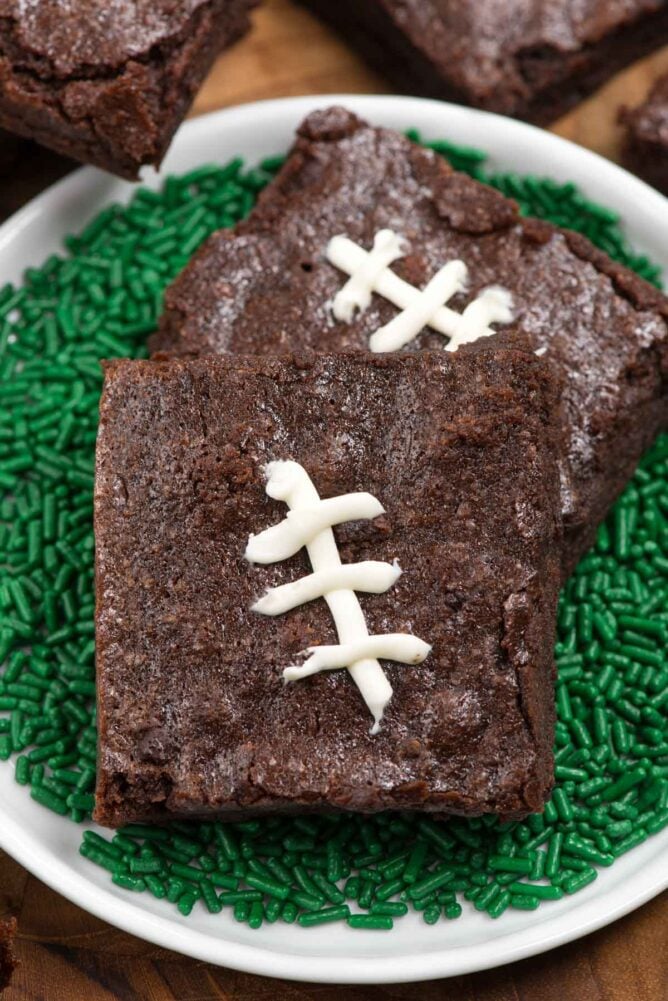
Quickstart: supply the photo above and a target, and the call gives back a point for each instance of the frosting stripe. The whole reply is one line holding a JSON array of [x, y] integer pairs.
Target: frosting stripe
[[399, 647], [407, 325], [371, 576], [300, 527]]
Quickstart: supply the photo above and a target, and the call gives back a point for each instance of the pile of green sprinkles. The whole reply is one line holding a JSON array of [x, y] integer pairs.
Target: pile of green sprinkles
[[100, 299]]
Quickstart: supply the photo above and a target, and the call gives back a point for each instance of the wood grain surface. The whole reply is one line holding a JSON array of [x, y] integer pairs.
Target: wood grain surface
[[67, 955]]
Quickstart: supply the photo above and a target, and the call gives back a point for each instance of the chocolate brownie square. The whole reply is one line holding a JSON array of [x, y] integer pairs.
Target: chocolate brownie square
[[645, 149], [195, 718], [268, 286], [532, 59], [109, 84], [8, 961]]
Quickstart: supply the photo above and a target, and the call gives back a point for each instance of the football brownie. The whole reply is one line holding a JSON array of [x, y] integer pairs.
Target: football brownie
[[531, 59], [267, 286], [109, 83], [195, 718]]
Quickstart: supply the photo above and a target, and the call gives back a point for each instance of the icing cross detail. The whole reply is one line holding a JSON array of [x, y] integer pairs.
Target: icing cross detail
[[370, 272], [309, 523]]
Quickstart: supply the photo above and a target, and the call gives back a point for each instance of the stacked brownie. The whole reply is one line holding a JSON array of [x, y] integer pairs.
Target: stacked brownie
[[267, 285], [475, 457]]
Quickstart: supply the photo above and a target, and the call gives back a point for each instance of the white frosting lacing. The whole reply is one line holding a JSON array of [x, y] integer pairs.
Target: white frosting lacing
[[369, 272], [309, 523]]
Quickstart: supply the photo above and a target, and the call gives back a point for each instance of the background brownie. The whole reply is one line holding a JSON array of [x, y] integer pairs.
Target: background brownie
[[646, 145], [532, 59], [109, 83], [267, 287], [194, 717], [7, 959]]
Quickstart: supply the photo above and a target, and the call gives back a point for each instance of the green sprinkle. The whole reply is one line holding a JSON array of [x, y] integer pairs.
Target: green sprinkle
[[505, 863], [135, 883], [554, 850], [657, 823], [307, 901], [142, 831], [366, 895], [645, 626], [581, 879], [486, 896], [324, 916], [389, 908], [582, 849], [495, 910], [581, 734], [272, 910], [632, 841], [48, 799], [373, 922], [415, 862], [289, 912], [155, 886], [563, 804], [303, 879], [431, 914], [22, 773], [430, 883], [99, 857], [240, 896], [389, 889], [616, 789], [524, 901], [352, 888], [144, 866], [329, 890], [256, 914], [539, 890]]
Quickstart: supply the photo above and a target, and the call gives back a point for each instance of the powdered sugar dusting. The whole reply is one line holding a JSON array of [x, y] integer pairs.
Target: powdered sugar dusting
[[77, 36]]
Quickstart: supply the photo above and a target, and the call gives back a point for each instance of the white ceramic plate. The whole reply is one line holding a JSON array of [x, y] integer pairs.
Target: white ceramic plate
[[47, 845]]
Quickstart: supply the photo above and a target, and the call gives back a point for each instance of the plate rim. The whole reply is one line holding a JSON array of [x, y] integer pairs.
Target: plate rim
[[169, 933], [175, 934]]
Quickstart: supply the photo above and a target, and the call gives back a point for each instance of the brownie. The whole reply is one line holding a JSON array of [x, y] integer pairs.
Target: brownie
[[195, 719], [109, 83], [8, 961], [266, 287], [645, 149], [532, 59]]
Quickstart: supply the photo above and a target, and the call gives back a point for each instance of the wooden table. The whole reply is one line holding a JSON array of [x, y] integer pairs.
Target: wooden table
[[65, 954]]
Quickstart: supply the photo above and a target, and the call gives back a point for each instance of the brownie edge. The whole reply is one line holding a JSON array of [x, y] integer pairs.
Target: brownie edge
[[645, 149], [8, 961], [195, 719]]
